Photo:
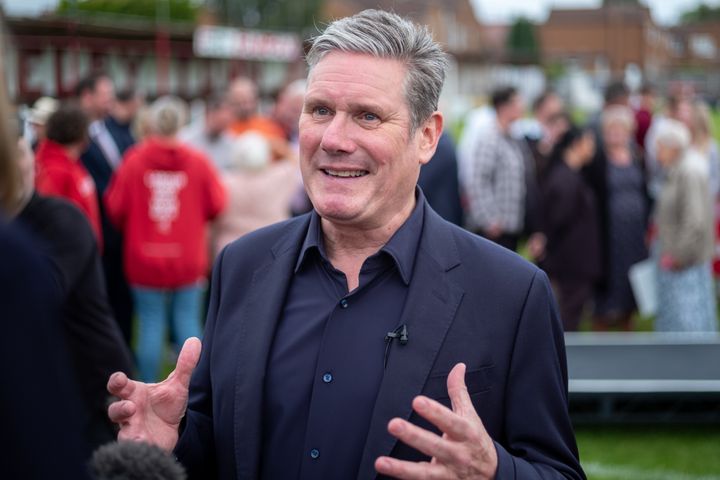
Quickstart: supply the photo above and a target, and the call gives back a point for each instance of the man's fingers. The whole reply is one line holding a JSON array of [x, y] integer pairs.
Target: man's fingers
[[404, 470], [187, 361], [458, 392], [120, 385], [449, 422], [426, 442], [120, 412]]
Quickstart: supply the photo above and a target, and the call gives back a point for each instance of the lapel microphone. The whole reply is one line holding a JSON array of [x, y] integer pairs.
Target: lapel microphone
[[401, 333]]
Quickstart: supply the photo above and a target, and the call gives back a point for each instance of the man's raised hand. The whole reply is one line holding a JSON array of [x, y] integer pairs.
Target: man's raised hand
[[464, 451], [152, 412]]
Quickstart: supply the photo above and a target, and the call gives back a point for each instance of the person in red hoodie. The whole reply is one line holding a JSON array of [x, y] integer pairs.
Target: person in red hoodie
[[59, 170], [162, 197]]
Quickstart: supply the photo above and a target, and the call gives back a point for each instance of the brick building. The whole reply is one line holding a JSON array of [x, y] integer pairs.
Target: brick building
[[607, 39]]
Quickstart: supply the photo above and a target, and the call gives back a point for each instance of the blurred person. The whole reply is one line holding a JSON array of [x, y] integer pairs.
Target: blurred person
[[210, 136], [496, 192], [679, 108], [39, 114], [59, 170], [242, 96], [617, 178], [94, 341], [259, 190], [288, 108], [704, 145], [29, 346], [162, 198], [96, 95], [570, 224], [644, 114], [616, 94], [686, 236], [134, 461], [122, 115], [439, 181], [294, 379], [552, 122]]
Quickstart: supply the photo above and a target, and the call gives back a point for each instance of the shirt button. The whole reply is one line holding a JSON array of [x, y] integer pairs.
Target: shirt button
[[344, 303], [327, 378], [314, 453]]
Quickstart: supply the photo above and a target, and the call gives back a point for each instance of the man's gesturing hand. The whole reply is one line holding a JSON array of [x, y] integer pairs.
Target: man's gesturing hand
[[464, 451], [152, 412]]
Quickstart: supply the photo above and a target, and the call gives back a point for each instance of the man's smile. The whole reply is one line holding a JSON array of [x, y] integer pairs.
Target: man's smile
[[345, 173]]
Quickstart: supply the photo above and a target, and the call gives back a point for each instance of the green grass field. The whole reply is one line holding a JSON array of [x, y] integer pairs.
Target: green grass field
[[650, 453]]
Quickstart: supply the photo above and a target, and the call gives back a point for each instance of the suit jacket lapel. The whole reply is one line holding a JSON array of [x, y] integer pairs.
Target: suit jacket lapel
[[430, 308], [269, 287]]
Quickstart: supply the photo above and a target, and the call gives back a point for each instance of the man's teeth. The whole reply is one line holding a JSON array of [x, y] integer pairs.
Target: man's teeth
[[346, 173]]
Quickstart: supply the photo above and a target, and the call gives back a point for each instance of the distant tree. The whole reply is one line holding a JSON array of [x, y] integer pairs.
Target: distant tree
[[295, 15], [701, 14], [173, 10], [522, 44]]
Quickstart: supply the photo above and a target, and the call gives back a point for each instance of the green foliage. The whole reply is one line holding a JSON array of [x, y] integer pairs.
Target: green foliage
[[268, 14], [702, 13], [176, 10], [522, 43]]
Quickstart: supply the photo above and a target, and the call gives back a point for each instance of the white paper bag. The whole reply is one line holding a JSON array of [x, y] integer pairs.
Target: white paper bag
[[643, 280]]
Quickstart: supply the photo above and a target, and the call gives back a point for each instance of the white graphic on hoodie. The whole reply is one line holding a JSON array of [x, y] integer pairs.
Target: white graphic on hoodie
[[164, 190]]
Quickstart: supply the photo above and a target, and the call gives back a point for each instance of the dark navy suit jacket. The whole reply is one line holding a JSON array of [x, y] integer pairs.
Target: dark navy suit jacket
[[469, 301]]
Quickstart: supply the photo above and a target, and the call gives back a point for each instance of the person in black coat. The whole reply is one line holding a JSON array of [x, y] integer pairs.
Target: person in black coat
[[570, 223], [439, 181], [93, 339]]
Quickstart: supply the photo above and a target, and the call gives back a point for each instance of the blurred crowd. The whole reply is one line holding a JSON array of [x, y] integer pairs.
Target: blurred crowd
[[634, 185], [132, 200]]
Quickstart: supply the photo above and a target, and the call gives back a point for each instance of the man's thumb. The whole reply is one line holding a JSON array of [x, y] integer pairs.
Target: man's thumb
[[187, 360]]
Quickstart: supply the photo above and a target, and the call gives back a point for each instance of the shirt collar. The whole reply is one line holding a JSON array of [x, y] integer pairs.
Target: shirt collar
[[402, 246]]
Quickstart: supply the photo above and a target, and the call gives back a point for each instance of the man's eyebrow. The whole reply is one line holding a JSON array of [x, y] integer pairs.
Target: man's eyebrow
[[366, 107]]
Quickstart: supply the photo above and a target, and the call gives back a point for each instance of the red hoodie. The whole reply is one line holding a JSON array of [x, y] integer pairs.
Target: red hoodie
[[162, 197], [59, 175]]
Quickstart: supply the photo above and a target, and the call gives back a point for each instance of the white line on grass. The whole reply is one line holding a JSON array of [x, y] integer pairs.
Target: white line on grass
[[598, 470]]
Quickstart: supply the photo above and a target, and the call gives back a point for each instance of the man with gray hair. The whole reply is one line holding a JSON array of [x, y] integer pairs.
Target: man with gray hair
[[369, 320]]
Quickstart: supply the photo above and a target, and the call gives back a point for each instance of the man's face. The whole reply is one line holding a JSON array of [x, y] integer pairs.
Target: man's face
[[359, 160], [218, 119], [102, 98], [242, 99], [515, 108], [550, 109]]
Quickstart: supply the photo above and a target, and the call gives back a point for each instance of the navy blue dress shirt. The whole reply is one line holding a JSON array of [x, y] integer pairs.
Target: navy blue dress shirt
[[327, 359]]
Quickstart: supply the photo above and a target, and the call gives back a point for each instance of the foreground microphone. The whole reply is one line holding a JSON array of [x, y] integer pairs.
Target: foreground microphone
[[128, 460]]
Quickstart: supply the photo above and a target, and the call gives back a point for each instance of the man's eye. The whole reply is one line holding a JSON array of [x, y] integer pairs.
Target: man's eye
[[369, 117], [322, 111]]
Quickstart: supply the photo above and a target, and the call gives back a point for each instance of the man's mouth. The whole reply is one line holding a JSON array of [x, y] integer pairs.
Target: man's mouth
[[345, 173]]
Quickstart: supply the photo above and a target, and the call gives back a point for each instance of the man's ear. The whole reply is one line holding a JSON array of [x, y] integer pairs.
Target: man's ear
[[429, 133]]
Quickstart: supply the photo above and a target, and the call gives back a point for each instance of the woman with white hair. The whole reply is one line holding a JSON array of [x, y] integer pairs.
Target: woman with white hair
[[162, 198], [686, 236], [618, 180], [259, 189]]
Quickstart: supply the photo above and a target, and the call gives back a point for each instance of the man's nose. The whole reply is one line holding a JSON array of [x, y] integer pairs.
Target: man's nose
[[337, 136]]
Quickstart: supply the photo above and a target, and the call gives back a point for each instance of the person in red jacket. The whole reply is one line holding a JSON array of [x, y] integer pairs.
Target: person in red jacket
[[162, 198], [59, 170]]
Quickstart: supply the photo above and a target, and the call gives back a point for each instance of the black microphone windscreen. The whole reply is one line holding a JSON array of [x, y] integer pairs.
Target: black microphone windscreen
[[134, 461]]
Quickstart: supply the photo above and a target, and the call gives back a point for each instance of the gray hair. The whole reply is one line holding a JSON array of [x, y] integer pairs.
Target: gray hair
[[167, 115], [387, 35], [673, 134], [618, 114]]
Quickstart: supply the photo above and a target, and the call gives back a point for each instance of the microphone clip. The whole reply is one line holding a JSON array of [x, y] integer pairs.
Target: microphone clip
[[401, 333]]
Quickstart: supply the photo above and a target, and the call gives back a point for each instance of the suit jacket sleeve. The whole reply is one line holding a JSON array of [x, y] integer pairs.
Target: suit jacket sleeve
[[540, 442], [196, 446]]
